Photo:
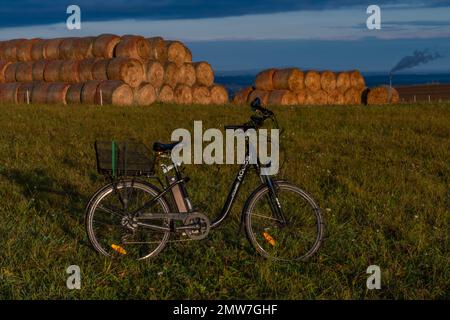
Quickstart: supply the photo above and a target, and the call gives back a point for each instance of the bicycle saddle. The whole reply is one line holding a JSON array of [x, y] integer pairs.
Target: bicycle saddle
[[162, 147]]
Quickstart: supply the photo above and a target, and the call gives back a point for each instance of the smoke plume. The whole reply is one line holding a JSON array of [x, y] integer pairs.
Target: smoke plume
[[419, 57]]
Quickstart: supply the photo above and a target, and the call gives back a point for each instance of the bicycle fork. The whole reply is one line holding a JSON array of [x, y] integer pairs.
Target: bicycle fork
[[274, 202]]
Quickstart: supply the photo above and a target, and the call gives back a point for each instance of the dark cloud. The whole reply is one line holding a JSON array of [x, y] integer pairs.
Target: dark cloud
[[31, 12]]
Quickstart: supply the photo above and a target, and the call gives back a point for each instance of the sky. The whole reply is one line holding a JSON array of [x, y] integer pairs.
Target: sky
[[250, 35]]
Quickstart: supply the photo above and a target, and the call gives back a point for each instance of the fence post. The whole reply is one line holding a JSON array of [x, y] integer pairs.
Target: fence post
[[101, 98], [28, 97], [415, 99]]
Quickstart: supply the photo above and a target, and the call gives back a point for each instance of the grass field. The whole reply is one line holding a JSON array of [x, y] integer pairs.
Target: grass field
[[381, 175]]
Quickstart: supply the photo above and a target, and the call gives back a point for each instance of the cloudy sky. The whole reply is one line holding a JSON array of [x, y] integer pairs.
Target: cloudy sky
[[248, 35]]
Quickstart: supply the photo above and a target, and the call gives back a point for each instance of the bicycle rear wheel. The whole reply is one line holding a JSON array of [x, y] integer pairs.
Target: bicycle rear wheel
[[299, 239], [111, 231]]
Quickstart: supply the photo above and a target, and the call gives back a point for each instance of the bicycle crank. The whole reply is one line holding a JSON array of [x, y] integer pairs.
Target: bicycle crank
[[199, 226]]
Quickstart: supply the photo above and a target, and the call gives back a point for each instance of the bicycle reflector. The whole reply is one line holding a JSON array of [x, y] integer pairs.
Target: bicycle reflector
[[269, 238], [118, 249]]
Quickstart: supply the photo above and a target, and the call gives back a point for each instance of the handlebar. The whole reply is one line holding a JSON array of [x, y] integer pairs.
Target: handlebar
[[256, 121]]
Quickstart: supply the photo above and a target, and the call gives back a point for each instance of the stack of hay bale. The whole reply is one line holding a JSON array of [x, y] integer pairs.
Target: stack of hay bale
[[106, 69]]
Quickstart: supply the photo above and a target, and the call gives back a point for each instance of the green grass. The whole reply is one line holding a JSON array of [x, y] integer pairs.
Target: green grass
[[381, 175]]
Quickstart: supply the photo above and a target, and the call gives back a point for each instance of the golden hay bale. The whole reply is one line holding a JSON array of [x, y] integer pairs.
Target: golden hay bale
[[51, 49], [328, 81], [85, 69], [201, 94], [24, 92], [288, 79], [2, 46], [3, 66], [282, 98], [154, 73], [66, 48], [38, 69], [176, 52], [183, 94], [104, 45], [353, 96], [24, 71], [99, 69], [312, 80], [10, 72], [70, 71], [343, 82], [89, 92], [382, 95], [73, 95], [316, 97], [188, 58], [157, 48], [301, 97], [8, 92], [335, 97], [204, 73], [145, 94], [56, 92], [128, 70], [24, 49], [37, 50], [39, 93], [172, 74], [241, 96], [52, 70], [82, 48], [10, 49], [264, 80], [261, 94], [219, 95], [188, 76], [114, 92], [166, 94], [357, 80], [136, 47]]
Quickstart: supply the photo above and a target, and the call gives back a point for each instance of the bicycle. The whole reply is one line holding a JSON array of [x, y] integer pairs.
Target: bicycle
[[132, 217]]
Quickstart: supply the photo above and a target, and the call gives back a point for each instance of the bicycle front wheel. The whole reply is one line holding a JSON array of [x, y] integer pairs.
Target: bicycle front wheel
[[296, 240]]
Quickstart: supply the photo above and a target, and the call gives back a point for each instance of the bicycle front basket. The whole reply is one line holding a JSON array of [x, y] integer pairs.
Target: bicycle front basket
[[124, 158]]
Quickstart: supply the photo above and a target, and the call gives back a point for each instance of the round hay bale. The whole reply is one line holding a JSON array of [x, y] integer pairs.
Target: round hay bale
[[176, 52], [10, 49], [2, 46], [316, 97], [82, 48], [70, 71], [261, 94], [301, 97], [128, 70], [204, 73], [201, 95], [219, 95], [66, 49], [357, 80], [166, 94], [328, 81], [172, 74], [3, 66], [343, 82], [52, 70], [99, 69], [353, 96], [155, 74], [288, 79], [145, 94], [89, 92], [136, 47], [158, 50], [335, 97], [188, 76], [241, 96], [39, 93], [24, 49], [114, 92], [24, 71], [10, 72], [282, 98], [37, 50], [8, 92], [38, 69], [313, 80], [24, 92], [85, 69], [73, 95], [51, 49], [104, 46], [382, 95], [183, 94], [188, 58], [57, 92], [264, 80]]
